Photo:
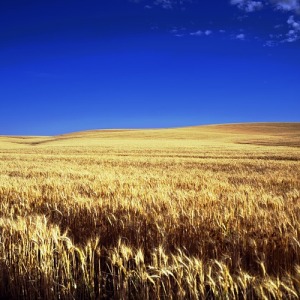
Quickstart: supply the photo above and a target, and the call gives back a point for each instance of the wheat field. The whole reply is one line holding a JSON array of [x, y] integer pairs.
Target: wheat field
[[207, 212]]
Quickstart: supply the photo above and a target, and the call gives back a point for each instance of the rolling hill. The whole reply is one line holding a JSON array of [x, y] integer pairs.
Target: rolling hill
[[267, 134]]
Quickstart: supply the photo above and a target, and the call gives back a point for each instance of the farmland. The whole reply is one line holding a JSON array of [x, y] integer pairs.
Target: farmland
[[204, 212]]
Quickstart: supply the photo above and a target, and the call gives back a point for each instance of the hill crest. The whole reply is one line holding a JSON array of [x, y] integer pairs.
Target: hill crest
[[272, 134]]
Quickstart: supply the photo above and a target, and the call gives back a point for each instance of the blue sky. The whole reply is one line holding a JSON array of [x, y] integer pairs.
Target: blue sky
[[76, 65]]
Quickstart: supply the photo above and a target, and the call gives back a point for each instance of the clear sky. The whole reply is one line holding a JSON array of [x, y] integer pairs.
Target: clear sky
[[76, 65]]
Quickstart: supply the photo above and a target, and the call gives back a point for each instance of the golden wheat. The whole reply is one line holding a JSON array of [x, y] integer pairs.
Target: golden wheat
[[161, 214]]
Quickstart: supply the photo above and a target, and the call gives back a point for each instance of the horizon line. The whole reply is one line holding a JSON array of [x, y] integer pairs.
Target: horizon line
[[151, 128]]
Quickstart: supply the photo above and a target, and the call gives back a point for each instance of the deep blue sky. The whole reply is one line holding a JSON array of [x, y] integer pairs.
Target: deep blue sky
[[76, 65]]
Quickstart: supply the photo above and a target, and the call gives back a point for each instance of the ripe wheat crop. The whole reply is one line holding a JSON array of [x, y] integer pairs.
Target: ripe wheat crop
[[194, 213]]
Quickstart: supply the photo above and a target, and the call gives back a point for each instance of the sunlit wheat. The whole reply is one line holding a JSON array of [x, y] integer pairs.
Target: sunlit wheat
[[178, 214]]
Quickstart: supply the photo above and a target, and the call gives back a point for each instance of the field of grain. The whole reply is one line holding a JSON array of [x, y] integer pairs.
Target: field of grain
[[208, 212]]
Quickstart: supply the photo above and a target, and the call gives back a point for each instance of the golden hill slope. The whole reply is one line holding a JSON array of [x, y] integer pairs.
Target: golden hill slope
[[272, 134]]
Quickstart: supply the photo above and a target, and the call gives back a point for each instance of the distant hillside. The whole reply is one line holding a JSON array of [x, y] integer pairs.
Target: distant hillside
[[271, 134]]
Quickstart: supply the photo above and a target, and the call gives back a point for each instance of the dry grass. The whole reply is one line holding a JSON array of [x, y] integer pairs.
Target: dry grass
[[207, 212]]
